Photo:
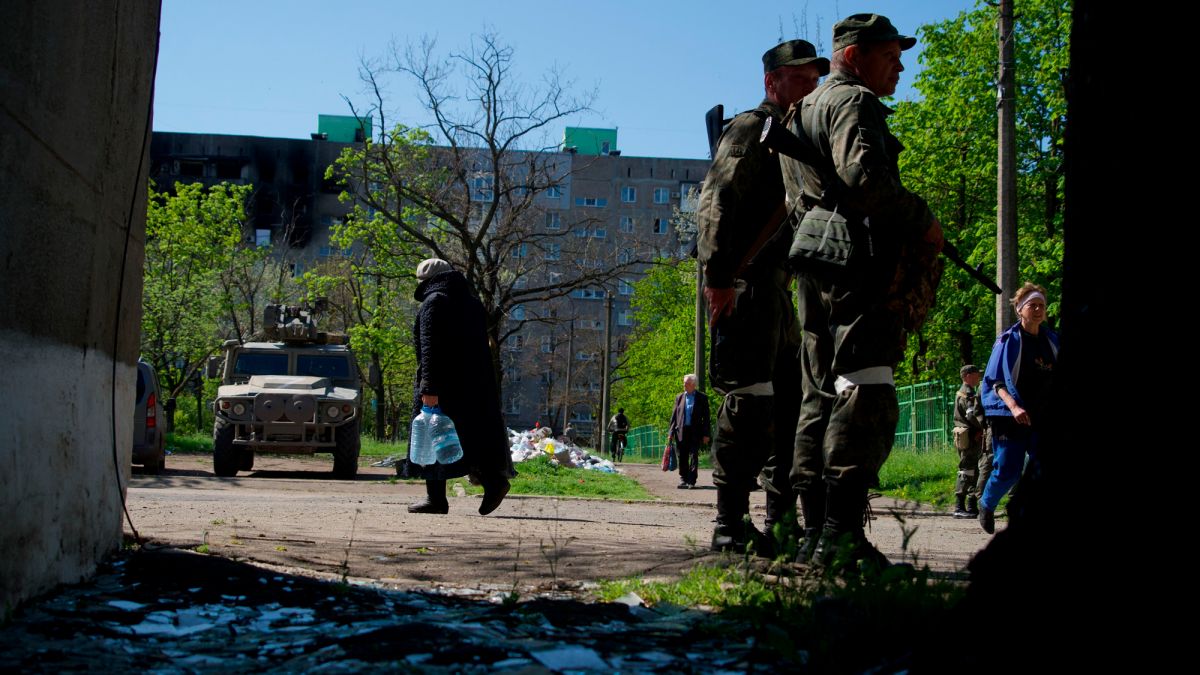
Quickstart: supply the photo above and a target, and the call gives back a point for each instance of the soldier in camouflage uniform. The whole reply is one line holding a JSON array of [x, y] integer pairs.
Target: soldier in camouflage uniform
[[854, 324], [753, 359], [968, 441]]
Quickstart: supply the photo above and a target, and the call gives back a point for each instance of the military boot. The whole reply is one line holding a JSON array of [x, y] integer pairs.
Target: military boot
[[812, 505], [960, 506], [781, 532], [972, 507], [434, 500], [843, 546], [734, 531]]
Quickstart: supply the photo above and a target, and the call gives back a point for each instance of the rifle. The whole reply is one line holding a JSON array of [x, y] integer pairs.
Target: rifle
[[714, 123], [800, 148]]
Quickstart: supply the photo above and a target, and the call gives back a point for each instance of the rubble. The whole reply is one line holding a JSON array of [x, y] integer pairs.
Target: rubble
[[525, 445]]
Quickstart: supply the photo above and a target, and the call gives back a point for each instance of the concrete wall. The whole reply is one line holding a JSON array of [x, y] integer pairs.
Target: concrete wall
[[75, 91]]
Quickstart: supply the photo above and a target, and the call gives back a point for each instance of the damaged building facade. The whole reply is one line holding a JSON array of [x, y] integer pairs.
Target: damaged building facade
[[608, 208]]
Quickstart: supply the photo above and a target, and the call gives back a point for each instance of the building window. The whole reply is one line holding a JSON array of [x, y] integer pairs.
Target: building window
[[589, 324], [521, 284], [660, 226], [520, 250], [600, 233], [262, 238], [585, 356], [513, 407], [588, 293], [553, 192], [624, 287], [554, 278], [517, 312], [547, 344], [624, 256], [594, 202], [554, 220], [662, 195], [515, 343], [512, 373], [627, 224], [547, 377], [625, 317], [553, 251], [481, 189], [629, 195]]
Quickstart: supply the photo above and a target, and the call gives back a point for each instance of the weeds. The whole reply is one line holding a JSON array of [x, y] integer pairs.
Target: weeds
[[345, 566], [553, 552]]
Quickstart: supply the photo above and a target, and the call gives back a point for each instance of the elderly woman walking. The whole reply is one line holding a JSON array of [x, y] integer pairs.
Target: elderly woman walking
[[455, 373], [1016, 395]]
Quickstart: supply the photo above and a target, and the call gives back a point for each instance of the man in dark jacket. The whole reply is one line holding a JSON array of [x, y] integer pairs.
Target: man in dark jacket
[[742, 245], [854, 324], [690, 429], [454, 372]]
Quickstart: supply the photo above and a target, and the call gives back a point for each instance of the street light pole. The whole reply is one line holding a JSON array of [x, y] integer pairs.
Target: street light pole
[[606, 380]]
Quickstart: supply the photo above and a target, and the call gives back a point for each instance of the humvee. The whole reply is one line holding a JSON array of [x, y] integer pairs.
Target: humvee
[[297, 392]]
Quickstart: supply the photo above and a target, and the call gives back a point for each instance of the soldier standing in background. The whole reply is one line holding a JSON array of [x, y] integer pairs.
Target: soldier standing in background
[[854, 317], [968, 441], [753, 360]]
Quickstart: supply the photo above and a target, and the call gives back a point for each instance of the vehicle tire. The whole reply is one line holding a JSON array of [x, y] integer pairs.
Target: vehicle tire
[[225, 455], [246, 460], [345, 452], [159, 465]]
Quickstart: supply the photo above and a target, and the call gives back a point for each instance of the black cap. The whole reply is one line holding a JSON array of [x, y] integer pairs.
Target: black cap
[[793, 53], [864, 28], [967, 370]]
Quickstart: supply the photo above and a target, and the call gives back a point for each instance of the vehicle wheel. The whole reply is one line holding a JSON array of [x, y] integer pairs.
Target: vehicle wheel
[[246, 460], [160, 465], [225, 455], [345, 453]]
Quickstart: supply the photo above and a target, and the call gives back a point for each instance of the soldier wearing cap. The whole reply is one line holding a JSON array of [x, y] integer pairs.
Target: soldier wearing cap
[[754, 338], [854, 324], [968, 440]]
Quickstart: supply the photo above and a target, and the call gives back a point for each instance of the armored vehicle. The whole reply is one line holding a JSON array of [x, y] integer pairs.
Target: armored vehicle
[[297, 392]]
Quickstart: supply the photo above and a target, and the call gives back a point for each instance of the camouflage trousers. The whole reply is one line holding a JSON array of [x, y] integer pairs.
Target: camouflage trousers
[[753, 363], [844, 434], [969, 467]]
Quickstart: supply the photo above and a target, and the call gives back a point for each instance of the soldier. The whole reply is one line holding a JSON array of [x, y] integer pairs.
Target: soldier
[[854, 317], [968, 440], [742, 246]]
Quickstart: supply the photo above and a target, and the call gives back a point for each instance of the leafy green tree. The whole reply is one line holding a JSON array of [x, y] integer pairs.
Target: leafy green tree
[[950, 159], [660, 352], [193, 237]]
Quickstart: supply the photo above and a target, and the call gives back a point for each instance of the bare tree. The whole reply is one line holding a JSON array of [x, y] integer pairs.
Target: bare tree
[[479, 184]]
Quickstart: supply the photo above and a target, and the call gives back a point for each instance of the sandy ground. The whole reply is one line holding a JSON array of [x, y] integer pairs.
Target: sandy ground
[[289, 512]]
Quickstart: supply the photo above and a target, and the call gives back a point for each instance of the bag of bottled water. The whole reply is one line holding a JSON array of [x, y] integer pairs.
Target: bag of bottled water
[[433, 439]]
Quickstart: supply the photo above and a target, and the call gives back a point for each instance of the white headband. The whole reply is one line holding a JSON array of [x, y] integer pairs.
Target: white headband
[[1029, 297]]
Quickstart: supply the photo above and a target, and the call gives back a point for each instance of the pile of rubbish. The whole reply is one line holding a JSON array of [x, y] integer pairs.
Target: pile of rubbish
[[526, 445]]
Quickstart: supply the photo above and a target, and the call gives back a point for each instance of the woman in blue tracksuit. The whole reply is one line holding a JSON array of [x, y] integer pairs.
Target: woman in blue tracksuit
[[1016, 395]]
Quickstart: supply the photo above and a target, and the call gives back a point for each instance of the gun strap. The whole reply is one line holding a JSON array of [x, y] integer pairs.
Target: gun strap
[[764, 237]]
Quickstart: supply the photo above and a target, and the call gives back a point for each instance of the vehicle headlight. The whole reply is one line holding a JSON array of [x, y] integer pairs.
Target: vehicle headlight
[[333, 411], [239, 409]]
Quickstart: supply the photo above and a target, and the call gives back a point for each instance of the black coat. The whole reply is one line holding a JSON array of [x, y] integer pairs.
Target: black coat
[[454, 362], [701, 425]]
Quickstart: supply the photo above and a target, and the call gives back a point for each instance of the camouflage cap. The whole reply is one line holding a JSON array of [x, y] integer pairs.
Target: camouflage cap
[[794, 53], [865, 28], [967, 370]]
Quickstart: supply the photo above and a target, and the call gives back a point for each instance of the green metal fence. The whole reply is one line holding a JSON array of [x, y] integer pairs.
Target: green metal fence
[[926, 414], [645, 441]]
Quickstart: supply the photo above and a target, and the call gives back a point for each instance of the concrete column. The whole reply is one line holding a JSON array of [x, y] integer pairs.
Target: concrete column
[[75, 93]]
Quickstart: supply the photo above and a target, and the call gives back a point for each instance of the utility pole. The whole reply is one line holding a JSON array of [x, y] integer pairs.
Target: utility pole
[[566, 404], [1006, 184], [605, 379]]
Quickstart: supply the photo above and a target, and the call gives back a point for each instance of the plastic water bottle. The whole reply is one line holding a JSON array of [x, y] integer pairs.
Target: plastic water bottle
[[444, 439], [420, 447]]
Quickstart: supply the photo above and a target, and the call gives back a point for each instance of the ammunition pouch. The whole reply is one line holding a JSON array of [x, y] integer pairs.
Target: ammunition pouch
[[828, 245]]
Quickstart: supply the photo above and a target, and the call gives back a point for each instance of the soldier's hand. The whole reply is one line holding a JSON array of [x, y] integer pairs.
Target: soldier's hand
[[720, 303], [934, 235]]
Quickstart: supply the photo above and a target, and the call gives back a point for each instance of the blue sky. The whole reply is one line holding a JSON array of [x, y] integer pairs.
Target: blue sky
[[269, 67]]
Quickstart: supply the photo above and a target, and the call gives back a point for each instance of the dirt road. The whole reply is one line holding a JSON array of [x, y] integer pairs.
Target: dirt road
[[290, 512]]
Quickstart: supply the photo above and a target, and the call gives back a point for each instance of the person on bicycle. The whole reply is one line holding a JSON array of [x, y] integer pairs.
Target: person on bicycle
[[619, 426]]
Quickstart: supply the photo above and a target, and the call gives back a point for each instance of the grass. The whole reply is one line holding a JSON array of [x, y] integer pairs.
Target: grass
[[538, 477], [818, 622], [926, 475], [201, 444]]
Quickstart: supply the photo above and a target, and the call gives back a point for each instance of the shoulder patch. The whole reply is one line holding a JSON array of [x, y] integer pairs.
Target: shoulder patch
[[737, 150]]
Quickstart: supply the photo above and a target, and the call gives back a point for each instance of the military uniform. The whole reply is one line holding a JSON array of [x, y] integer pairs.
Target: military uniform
[[968, 441], [854, 324], [752, 359]]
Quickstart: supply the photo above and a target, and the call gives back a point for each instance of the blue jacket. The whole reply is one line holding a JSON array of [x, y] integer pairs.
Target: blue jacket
[[1004, 368]]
